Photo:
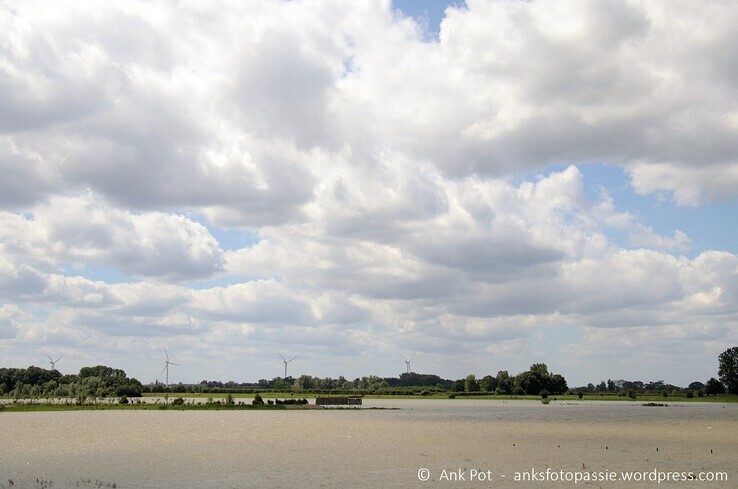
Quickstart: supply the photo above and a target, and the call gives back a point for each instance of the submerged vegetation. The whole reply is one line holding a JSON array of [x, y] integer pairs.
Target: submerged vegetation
[[139, 406]]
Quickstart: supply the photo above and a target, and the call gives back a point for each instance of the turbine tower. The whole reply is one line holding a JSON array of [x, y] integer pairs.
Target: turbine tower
[[407, 362], [52, 361], [285, 361], [167, 363]]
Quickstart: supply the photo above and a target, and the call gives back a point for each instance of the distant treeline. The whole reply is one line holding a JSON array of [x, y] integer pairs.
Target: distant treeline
[[728, 383], [532, 381], [102, 381], [630, 388], [99, 381]]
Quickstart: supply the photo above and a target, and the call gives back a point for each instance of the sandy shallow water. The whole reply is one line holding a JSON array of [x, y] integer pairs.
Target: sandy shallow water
[[367, 448]]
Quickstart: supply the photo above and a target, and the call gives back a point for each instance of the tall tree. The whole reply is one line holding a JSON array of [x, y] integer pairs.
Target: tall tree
[[728, 369], [471, 384], [541, 369], [488, 383], [713, 387]]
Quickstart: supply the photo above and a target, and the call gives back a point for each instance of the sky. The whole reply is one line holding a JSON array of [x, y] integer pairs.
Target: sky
[[484, 184]]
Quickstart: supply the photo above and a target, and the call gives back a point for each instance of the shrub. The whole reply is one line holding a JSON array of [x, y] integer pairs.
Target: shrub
[[580, 394], [258, 401], [519, 391], [270, 402], [632, 394], [665, 394], [229, 400], [713, 387], [499, 391], [545, 400], [123, 400], [690, 394], [700, 393], [452, 396], [178, 401], [544, 394]]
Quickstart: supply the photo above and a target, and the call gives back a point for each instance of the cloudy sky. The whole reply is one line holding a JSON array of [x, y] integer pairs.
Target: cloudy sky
[[488, 184]]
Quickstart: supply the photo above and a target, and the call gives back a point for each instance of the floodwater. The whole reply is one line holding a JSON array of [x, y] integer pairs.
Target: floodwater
[[369, 448]]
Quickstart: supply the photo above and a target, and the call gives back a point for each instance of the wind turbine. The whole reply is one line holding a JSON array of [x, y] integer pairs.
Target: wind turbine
[[52, 361], [407, 362], [167, 363], [285, 361]]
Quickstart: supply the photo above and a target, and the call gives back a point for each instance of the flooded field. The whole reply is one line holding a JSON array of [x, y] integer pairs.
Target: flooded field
[[368, 448]]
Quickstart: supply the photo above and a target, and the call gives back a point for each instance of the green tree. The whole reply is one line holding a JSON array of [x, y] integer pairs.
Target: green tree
[[540, 369], [282, 386], [713, 387], [504, 382], [471, 384], [457, 386], [556, 384], [528, 382], [305, 382], [488, 383], [728, 369]]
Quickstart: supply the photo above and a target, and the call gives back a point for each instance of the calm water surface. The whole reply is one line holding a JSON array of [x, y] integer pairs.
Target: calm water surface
[[365, 448]]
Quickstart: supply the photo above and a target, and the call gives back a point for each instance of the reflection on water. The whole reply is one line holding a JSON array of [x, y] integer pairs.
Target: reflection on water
[[370, 448]]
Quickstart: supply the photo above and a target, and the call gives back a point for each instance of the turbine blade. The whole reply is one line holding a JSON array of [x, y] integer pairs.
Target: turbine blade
[[281, 356], [172, 363], [47, 356], [60, 357], [288, 361], [162, 370], [166, 353], [411, 358], [404, 357]]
